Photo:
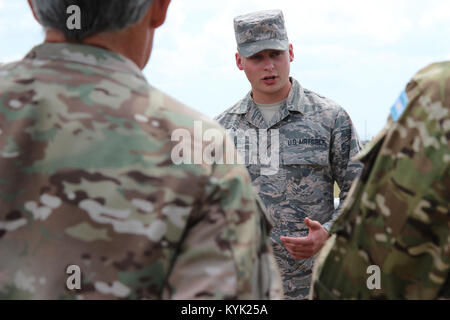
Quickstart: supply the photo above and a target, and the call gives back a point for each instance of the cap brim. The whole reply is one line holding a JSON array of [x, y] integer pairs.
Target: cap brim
[[250, 49]]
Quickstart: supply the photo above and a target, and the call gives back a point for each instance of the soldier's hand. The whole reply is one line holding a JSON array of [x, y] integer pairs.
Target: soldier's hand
[[306, 247]]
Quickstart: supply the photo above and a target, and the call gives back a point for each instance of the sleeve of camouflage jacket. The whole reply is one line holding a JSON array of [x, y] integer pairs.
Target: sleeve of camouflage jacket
[[398, 216], [226, 252], [345, 146]]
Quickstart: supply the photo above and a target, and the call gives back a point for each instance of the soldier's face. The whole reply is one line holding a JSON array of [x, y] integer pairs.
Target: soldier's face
[[268, 72]]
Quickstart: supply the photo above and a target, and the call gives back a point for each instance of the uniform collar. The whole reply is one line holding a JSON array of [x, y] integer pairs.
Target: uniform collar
[[294, 101], [85, 54]]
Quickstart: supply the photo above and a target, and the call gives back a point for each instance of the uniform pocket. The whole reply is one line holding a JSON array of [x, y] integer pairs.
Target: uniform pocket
[[307, 178], [310, 158]]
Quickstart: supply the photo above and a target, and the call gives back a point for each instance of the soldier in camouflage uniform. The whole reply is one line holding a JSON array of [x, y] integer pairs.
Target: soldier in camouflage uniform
[[316, 141], [87, 178], [397, 217]]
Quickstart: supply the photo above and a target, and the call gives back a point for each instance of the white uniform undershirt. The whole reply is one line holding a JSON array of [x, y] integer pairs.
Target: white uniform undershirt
[[269, 110]]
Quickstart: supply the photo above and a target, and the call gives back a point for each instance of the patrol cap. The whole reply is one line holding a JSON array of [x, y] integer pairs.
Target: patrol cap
[[261, 30]]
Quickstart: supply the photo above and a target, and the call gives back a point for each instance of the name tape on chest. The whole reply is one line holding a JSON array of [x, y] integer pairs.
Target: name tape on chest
[[308, 142]]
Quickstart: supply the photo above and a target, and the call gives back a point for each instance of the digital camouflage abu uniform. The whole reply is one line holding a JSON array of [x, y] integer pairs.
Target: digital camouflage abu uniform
[[397, 216], [316, 141], [86, 179]]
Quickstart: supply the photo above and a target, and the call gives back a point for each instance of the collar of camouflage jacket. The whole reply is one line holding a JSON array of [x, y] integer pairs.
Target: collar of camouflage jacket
[[294, 101], [84, 54]]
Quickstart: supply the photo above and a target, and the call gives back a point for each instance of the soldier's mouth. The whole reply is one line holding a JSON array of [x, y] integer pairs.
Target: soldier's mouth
[[270, 78]]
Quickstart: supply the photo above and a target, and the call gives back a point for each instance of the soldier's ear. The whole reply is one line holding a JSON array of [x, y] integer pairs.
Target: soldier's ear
[[239, 61], [158, 12], [30, 3]]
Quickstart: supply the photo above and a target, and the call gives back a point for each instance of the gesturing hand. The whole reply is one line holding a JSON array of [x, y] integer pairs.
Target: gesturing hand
[[306, 247]]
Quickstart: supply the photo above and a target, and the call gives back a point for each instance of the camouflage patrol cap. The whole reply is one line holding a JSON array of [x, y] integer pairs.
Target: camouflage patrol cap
[[262, 30]]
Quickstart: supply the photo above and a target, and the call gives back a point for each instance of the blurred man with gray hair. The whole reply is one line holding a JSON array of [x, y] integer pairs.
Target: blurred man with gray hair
[[316, 141], [92, 205]]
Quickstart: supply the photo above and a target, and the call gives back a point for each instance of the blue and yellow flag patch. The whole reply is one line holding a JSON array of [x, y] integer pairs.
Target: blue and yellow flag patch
[[399, 106]]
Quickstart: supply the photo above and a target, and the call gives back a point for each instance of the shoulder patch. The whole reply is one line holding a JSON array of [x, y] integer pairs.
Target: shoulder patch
[[399, 106]]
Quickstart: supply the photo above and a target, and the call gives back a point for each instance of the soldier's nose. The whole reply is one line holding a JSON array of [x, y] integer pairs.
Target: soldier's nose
[[269, 66]]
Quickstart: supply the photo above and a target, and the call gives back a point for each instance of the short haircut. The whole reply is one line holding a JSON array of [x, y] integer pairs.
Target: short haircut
[[97, 16]]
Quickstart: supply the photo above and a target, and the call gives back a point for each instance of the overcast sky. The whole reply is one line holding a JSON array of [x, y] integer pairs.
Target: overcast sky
[[360, 53]]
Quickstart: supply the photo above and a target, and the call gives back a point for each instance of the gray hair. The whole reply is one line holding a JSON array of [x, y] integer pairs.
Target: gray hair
[[96, 15]]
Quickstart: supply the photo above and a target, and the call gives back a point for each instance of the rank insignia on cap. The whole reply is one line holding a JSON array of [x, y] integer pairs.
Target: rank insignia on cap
[[399, 106]]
